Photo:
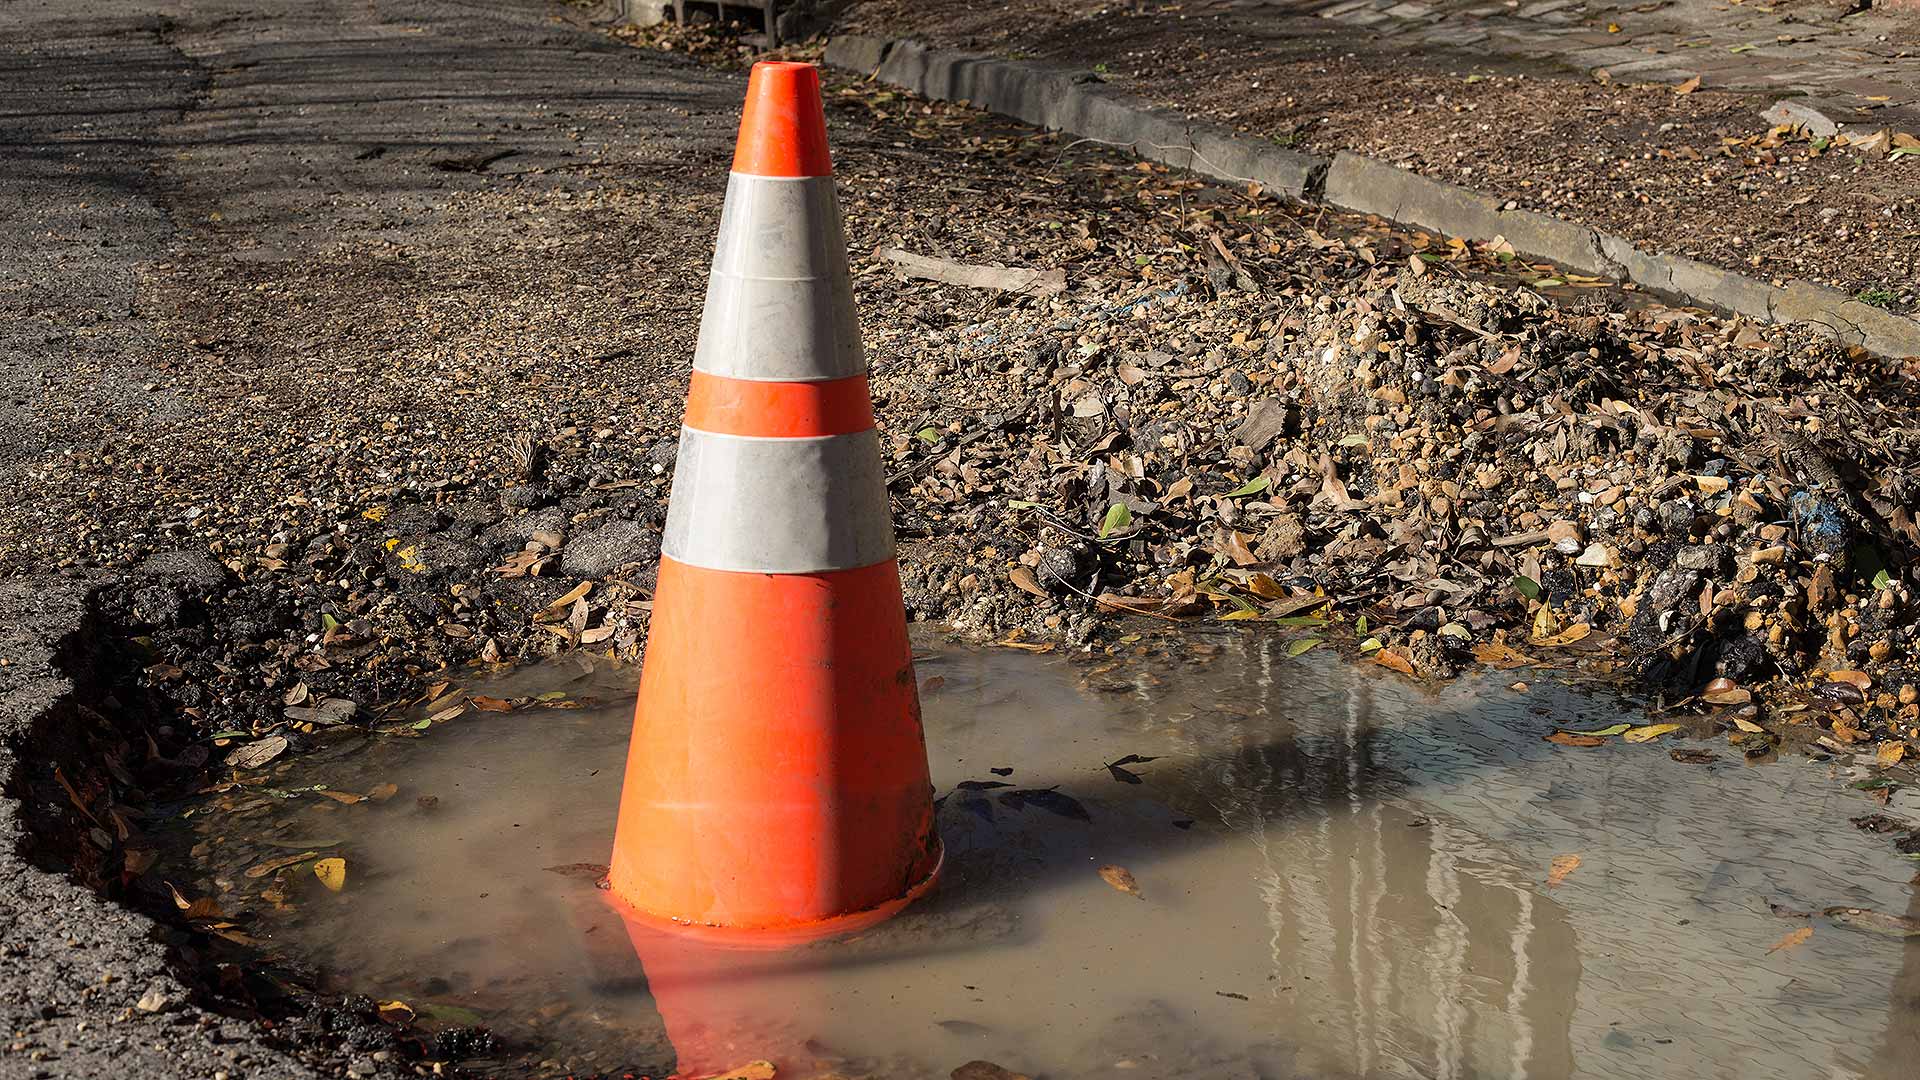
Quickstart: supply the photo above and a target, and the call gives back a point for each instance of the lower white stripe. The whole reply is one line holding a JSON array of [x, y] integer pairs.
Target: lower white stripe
[[778, 506]]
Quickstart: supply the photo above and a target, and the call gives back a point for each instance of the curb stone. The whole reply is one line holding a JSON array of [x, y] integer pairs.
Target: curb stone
[[1081, 104]]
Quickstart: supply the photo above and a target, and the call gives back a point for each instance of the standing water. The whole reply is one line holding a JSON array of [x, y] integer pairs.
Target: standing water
[[1211, 860]]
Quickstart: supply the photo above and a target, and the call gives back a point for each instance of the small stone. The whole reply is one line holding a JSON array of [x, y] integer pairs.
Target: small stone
[[1490, 479], [606, 549], [1597, 555], [1705, 558], [1710, 485], [1565, 536], [154, 1000], [1909, 694], [1770, 555], [552, 539], [1285, 538], [362, 1067]]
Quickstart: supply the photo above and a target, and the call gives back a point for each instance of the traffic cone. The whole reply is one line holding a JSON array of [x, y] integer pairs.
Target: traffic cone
[[776, 786]]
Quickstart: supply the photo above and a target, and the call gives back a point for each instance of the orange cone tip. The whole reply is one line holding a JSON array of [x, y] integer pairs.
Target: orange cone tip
[[777, 788]]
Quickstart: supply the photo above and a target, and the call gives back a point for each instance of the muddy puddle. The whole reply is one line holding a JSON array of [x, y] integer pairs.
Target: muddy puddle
[[1339, 875]]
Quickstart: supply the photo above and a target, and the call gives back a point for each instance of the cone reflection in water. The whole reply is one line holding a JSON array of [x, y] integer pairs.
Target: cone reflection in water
[[776, 785]]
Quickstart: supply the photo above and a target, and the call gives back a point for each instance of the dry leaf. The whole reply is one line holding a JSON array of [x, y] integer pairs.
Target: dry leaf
[[1500, 655], [1569, 738], [383, 792], [347, 797], [255, 754], [332, 873], [263, 869], [1120, 878], [1576, 632], [1389, 658], [1890, 753], [1024, 579], [1798, 937], [491, 704], [752, 1070], [1689, 86], [1650, 732], [396, 1012], [1562, 866]]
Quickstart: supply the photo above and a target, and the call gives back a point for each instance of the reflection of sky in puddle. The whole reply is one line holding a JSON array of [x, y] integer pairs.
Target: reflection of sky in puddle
[[1361, 892]]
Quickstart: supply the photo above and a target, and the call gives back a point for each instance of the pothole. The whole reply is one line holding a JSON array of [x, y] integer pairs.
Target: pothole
[[1213, 859]]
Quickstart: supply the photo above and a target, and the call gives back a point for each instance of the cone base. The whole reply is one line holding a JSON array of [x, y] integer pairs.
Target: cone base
[[785, 935]]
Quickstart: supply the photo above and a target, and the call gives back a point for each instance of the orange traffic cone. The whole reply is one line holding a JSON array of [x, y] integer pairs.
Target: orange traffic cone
[[776, 785]]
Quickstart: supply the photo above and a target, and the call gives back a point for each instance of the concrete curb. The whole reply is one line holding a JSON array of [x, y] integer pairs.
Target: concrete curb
[[1080, 104]]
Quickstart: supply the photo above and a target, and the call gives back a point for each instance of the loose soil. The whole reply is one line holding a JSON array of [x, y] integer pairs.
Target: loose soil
[[1696, 174]]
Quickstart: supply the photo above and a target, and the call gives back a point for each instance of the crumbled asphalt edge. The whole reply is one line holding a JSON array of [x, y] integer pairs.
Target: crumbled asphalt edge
[[90, 987], [1081, 103]]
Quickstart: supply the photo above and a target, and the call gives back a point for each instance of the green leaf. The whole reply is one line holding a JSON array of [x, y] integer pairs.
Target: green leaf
[[1548, 282], [1314, 621], [1355, 439], [1022, 504], [1251, 487], [1372, 644], [1610, 729], [1526, 586], [230, 734], [1302, 645], [1118, 518], [452, 1014], [1905, 151], [328, 622], [422, 725], [1874, 784], [551, 695], [1360, 625], [1881, 580], [1743, 48], [928, 434]]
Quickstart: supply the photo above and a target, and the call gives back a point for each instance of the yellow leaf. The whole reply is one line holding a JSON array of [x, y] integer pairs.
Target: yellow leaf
[[1747, 726], [1650, 732], [1576, 632], [1890, 753], [396, 1012], [332, 873], [1562, 866], [752, 1070], [1798, 937], [1243, 613]]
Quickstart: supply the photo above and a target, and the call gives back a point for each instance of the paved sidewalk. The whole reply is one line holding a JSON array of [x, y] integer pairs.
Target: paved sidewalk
[[1503, 97], [1860, 69]]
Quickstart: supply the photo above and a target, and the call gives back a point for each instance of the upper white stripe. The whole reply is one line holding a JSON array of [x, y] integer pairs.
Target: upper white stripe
[[779, 301]]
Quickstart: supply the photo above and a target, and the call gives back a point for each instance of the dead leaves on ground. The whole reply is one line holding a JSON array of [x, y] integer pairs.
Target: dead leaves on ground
[[1562, 866], [1122, 879], [1793, 938]]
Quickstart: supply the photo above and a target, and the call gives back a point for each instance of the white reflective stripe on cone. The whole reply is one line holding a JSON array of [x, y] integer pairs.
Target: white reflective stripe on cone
[[779, 301], [778, 506]]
